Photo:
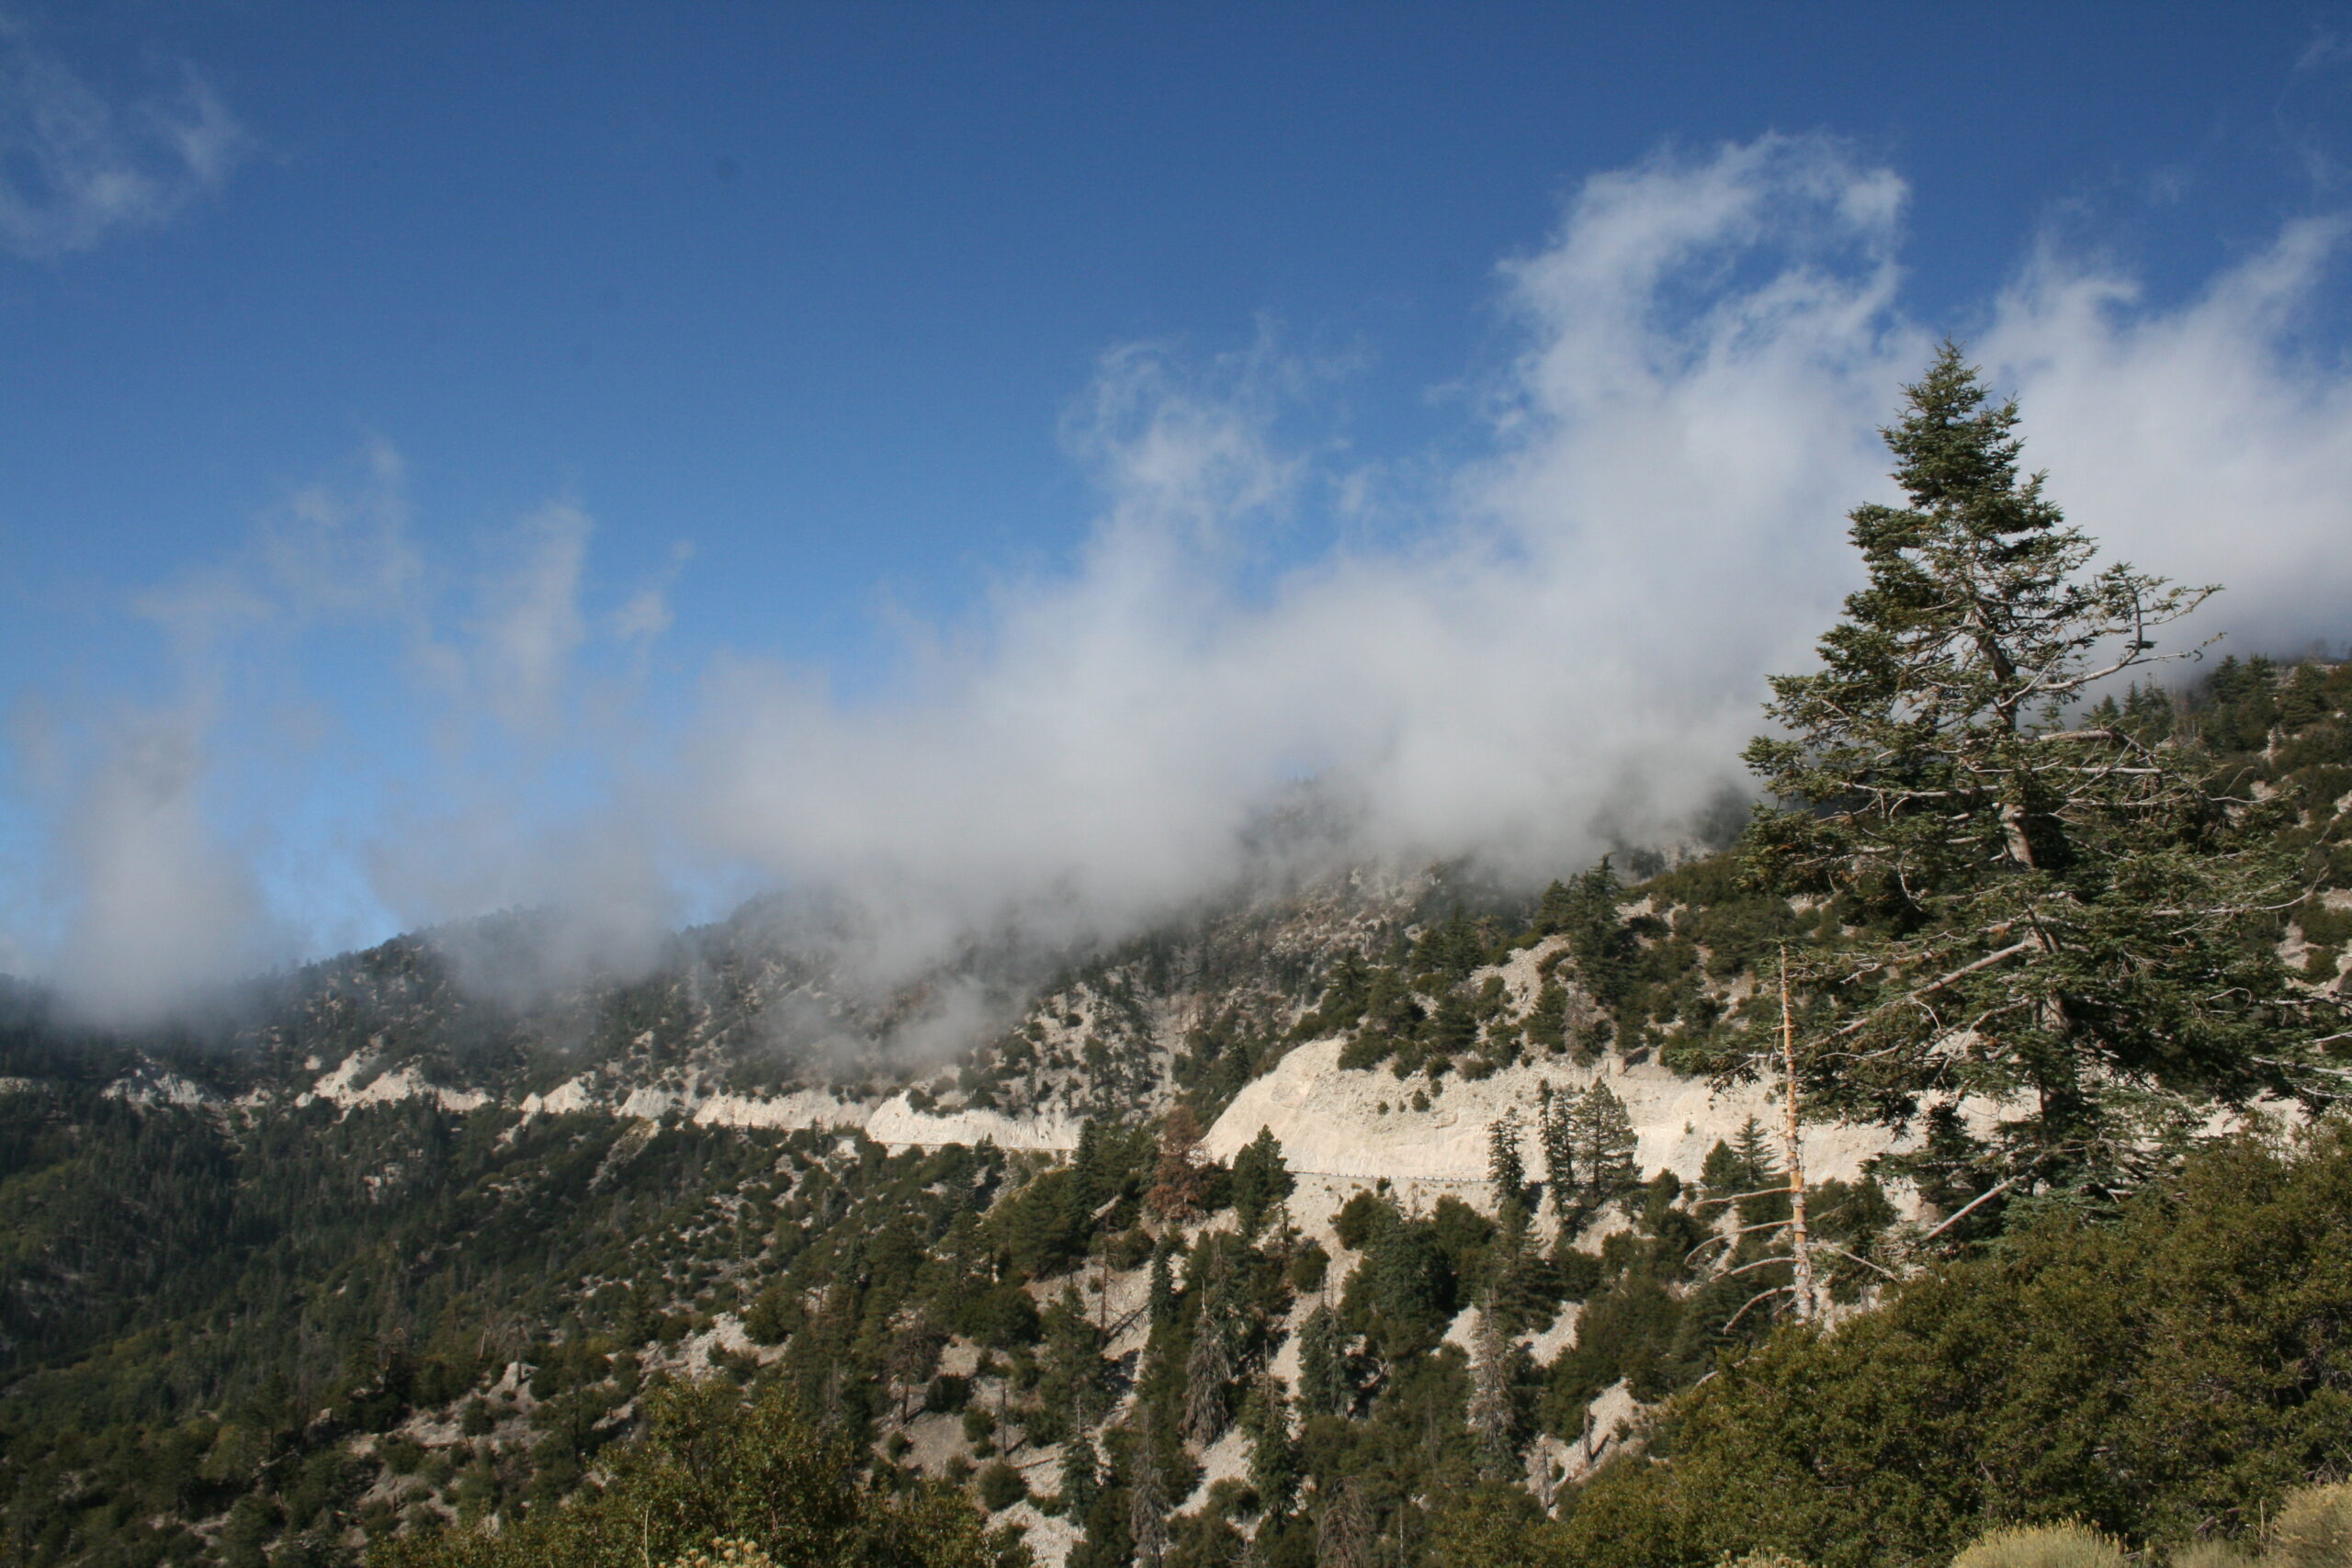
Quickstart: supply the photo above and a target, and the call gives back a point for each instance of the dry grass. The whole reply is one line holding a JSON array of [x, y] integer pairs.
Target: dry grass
[[2043, 1546]]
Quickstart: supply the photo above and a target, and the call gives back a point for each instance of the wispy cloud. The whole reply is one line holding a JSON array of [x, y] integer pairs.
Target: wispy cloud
[[77, 167]]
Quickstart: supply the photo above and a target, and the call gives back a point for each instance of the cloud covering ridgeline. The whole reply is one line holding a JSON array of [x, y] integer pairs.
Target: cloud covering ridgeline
[[1554, 644]]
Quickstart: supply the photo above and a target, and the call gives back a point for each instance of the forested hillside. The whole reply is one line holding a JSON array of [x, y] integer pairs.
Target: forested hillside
[[740, 1255]]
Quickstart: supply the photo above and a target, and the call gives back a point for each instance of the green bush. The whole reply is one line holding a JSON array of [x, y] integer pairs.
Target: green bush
[[2043, 1546], [1001, 1486], [2175, 1370], [712, 1469], [1308, 1268]]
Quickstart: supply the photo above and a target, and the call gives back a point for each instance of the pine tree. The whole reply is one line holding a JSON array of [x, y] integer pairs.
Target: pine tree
[[1343, 1529], [1322, 1367], [1752, 1174], [2062, 920], [1492, 1415], [1262, 1179], [1506, 1170], [1081, 1475], [1208, 1368], [1604, 949], [1076, 1376], [1274, 1457], [1556, 1130], [1162, 1296], [1752, 1150], [1513, 1265], [1179, 1181], [1605, 1143], [1147, 1495]]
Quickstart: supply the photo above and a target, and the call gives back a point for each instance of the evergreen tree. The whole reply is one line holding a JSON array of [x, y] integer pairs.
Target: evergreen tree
[[1605, 951], [1082, 1477], [1274, 1457], [1556, 1130], [1547, 1019], [1147, 1495], [1208, 1372], [2062, 920], [1506, 1170], [1605, 1143], [2304, 701], [1491, 1414], [1753, 1155], [1322, 1366], [1178, 1182], [1162, 1290], [1517, 1292], [1343, 1537], [1454, 1029], [1076, 1377], [1752, 1174], [1209, 1367], [1260, 1179]]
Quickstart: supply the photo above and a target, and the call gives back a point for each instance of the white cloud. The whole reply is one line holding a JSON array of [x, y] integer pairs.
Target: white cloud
[[76, 169], [157, 905], [1568, 651], [532, 624], [2207, 443], [1566, 646], [646, 614]]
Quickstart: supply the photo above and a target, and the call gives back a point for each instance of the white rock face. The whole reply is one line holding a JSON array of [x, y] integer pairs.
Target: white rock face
[[561, 1101], [1330, 1123], [893, 1122], [805, 1108], [345, 1088], [155, 1088], [897, 1124]]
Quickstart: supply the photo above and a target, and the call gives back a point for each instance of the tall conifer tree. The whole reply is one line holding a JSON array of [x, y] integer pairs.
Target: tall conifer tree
[[2060, 917]]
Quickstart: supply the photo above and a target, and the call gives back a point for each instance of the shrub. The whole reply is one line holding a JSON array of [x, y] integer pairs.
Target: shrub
[[1354, 1220], [725, 1553], [1001, 1486], [2211, 1554], [1131, 1249], [1308, 1268], [2171, 1371], [711, 1473], [2043, 1546]]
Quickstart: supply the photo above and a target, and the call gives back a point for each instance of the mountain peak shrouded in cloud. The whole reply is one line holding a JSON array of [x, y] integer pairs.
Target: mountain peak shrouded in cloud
[[1564, 651]]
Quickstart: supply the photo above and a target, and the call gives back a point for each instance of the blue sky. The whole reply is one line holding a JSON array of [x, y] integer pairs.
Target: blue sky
[[437, 436]]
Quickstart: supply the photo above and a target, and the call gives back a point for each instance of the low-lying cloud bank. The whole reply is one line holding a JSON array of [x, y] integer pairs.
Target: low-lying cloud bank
[[1565, 648]]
